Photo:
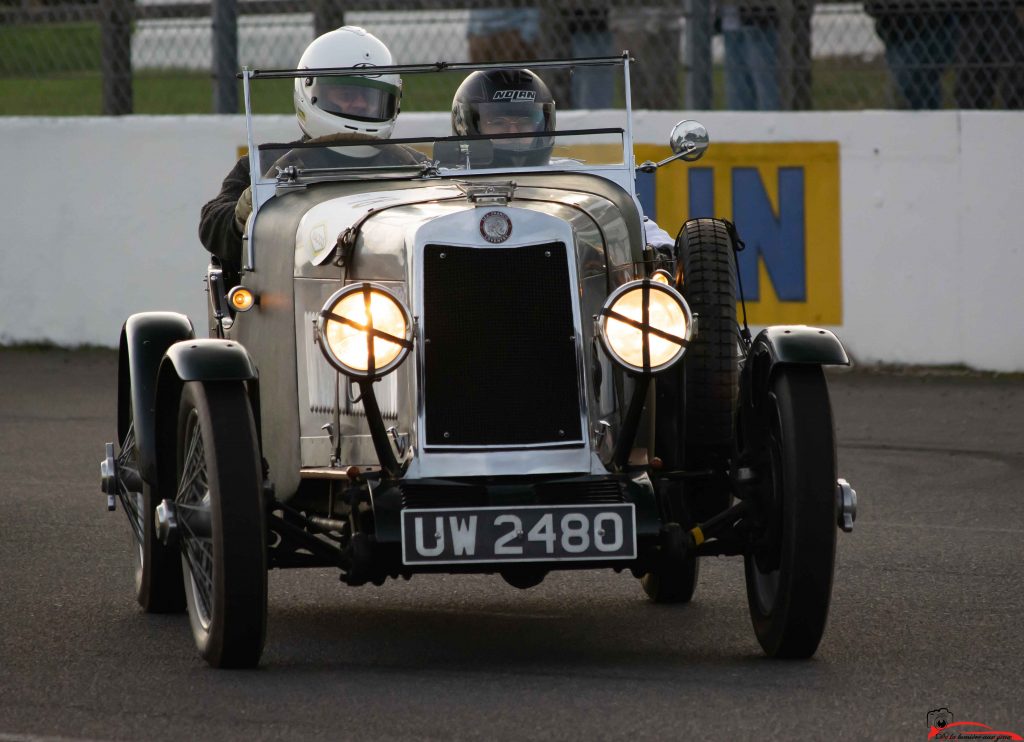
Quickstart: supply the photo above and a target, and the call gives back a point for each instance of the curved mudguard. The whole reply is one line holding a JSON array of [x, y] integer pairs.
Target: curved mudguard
[[799, 344], [200, 359], [787, 344], [145, 338], [780, 345], [209, 359]]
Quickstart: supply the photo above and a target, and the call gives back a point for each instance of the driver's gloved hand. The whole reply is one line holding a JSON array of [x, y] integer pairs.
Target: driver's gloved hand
[[243, 208]]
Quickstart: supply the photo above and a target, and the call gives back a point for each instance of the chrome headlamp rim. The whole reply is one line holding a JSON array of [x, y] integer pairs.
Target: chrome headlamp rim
[[650, 285], [373, 371]]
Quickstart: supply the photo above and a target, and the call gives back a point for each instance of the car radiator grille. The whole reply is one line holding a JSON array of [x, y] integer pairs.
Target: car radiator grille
[[499, 347], [559, 492], [569, 493]]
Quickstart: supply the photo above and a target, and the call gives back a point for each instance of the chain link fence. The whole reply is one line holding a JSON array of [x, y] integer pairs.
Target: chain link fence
[[64, 57]]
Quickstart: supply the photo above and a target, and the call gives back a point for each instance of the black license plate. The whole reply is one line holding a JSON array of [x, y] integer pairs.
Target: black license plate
[[535, 533]]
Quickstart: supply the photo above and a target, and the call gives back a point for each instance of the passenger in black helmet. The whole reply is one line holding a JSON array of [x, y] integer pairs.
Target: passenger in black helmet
[[507, 102], [491, 102]]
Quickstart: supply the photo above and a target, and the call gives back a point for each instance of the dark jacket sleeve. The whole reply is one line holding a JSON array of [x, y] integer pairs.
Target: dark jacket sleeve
[[217, 229]]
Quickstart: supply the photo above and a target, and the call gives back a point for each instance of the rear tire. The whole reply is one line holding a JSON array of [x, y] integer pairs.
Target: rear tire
[[674, 576], [158, 585], [672, 586], [222, 523], [789, 573]]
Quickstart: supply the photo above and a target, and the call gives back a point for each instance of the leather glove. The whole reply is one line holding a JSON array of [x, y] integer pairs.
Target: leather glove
[[243, 208]]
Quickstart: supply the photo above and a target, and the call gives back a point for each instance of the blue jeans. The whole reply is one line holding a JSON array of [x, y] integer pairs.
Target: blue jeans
[[489, 21], [918, 48], [592, 87], [751, 67]]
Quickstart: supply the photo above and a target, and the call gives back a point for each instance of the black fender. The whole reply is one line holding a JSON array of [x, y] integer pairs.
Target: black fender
[[788, 344], [209, 359], [145, 338], [799, 344], [197, 359], [774, 347]]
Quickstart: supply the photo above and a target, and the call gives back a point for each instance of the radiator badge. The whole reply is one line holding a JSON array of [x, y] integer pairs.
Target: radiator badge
[[495, 227]]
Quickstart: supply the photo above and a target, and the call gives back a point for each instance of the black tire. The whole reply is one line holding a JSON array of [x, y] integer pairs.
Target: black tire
[[672, 585], [221, 523], [158, 585], [710, 368], [789, 574]]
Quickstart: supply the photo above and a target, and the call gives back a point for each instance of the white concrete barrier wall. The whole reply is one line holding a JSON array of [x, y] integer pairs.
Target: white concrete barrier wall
[[100, 220]]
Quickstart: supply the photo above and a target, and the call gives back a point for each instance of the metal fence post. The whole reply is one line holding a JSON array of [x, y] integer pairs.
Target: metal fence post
[[784, 62], [116, 56], [327, 16], [651, 34], [556, 45], [794, 60], [802, 64], [224, 17], [699, 29]]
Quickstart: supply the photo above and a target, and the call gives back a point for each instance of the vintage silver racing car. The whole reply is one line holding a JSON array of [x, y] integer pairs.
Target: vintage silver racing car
[[450, 363]]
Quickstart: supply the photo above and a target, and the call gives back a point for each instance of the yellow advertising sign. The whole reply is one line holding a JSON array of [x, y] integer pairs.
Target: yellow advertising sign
[[784, 200]]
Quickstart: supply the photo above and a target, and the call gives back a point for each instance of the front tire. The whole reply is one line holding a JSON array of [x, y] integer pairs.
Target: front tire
[[221, 523], [789, 571]]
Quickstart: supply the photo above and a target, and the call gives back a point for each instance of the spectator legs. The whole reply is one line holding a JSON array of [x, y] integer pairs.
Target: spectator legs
[[751, 70]]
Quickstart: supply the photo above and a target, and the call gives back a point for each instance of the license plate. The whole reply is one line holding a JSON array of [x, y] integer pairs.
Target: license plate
[[534, 533]]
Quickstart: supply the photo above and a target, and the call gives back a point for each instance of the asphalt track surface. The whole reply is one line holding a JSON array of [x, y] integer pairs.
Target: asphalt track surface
[[927, 611]]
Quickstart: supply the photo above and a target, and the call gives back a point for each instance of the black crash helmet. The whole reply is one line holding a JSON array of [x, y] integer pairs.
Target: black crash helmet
[[494, 102]]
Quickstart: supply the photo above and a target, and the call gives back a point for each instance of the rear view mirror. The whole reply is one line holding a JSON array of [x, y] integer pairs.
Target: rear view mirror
[[689, 140], [476, 153]]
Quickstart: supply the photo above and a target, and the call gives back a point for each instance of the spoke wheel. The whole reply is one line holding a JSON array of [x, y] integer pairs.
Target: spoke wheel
[[158, 586], [221, 523], [789, 571]]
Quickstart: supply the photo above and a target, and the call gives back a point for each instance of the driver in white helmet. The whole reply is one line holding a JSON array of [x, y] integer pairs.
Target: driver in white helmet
[[327, 109]]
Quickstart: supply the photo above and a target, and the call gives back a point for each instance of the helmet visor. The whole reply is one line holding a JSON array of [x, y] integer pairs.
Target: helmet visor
[[356, 98], [514, 118]]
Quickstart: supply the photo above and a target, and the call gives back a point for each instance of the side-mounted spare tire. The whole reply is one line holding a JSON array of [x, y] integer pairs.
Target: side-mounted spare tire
[[696, 401], [702, 393]]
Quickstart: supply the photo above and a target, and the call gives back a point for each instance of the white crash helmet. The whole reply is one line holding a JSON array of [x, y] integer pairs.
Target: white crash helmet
[[366, 106]]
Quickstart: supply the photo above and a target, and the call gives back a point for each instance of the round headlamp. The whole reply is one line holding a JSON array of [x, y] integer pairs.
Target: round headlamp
[[364, 331], [645, 326]]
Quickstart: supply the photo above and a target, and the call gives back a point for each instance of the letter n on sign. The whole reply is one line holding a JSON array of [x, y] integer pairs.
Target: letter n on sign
[[784, 199]]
